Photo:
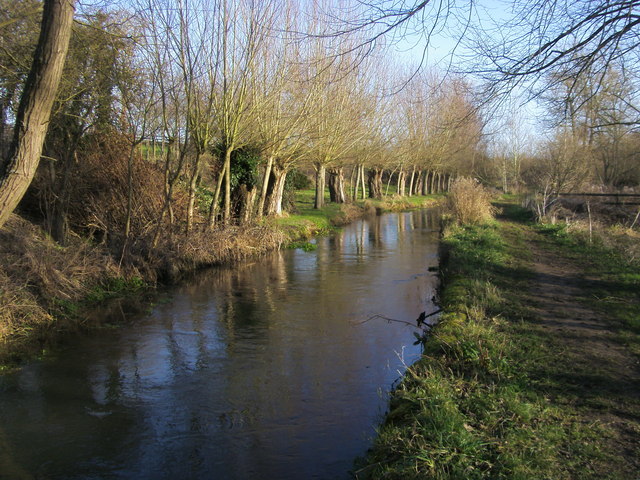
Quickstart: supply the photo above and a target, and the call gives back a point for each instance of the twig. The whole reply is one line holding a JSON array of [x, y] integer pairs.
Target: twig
[[373, 317], [421, 319], [590, 224], [635, 220]]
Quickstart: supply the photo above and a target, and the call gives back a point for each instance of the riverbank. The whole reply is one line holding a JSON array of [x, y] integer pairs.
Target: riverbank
[[47, 290], [533, 371]]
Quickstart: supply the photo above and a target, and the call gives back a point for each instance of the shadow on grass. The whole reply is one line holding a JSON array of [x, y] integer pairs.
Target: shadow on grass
[[513, 212]]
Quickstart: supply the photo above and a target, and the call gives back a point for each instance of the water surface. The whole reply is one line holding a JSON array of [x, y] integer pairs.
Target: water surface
[[267, 370]]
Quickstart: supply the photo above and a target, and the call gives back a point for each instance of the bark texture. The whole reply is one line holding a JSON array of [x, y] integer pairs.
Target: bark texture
[[320, 183], [374, 178], [336, 185], [276, 191], [35, 104]]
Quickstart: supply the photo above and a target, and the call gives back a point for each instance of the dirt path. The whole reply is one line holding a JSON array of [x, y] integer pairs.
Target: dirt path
[[597, 364]]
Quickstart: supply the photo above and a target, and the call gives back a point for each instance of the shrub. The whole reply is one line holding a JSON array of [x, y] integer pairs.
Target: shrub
[[469, 202]]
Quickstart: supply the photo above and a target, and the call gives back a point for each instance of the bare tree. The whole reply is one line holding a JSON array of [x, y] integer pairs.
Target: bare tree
[[19, 26], [523, 44], [164, 47], [284, 97], [35, 105], [242, 29]]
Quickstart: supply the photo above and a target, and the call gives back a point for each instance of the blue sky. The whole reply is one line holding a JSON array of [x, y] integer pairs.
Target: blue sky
[[447, 53]]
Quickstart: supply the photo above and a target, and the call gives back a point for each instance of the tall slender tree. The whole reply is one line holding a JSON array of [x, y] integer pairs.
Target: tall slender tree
[[35, 105]]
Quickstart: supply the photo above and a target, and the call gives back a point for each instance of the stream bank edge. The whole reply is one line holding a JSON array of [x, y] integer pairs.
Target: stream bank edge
[[48, 291], [487, 399]]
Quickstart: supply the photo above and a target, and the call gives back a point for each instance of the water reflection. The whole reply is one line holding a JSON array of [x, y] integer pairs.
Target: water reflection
[[262, 371]]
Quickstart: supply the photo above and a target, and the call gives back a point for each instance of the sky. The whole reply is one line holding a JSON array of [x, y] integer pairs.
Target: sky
[[446, 52]]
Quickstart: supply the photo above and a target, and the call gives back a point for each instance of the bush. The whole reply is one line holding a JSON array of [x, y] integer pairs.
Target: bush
[[469, 202]]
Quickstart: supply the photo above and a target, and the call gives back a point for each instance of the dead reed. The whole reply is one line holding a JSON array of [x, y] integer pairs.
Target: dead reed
[[469, 202]]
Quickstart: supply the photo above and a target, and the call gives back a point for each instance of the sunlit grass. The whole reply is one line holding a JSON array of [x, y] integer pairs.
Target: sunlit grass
[[488, 399]]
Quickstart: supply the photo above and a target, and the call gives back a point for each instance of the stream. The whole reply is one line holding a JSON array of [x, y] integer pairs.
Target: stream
[[264, 370]]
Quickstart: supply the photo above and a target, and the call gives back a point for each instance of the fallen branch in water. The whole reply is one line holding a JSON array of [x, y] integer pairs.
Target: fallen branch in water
[[418, 323], [373, 317]]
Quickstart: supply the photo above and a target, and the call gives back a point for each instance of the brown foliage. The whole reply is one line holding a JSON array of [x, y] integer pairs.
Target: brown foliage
[[180, 254], [98, 188], [36, 274], [102, 186], [469, 202]]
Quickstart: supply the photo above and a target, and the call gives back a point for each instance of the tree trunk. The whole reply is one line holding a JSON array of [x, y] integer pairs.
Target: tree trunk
[[374, 179], [167, 207], [320, 179], [276, 191], [355, 187], [249, 205], [386, 192], [412, 180], [417, 183], [127, 223], [364, 190], [58, 221], [35, 104], [213, 209], [227, 185], [425, 183], [336, 185], [5, 104], [193, 183], [505, 184], [59, 184], [402, 180], [265, 186]]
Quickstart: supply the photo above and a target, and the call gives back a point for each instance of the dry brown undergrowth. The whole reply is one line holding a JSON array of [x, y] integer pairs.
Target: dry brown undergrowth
[[34, 271], [37, 275], [469, 202]]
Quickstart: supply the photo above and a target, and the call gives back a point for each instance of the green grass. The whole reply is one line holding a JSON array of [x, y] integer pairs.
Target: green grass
[[321, 220], [489, 399], [303, 245], [116, 287]]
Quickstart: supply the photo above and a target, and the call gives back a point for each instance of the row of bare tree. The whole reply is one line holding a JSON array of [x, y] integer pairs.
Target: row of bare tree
[[198, 110], [224, 98]]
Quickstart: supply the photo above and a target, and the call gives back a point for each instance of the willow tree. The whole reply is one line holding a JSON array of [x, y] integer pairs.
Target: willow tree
[[165, 37], [241, 29], [198, 61], [377, 106], [339, 122], [284, 97], [34, 109]]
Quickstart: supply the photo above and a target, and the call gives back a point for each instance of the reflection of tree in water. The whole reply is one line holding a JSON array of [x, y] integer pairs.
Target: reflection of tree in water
[[245, 293], [361, 234], [375, 232]]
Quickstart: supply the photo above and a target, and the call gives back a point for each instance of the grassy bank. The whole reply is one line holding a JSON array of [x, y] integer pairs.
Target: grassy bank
[[47, 290], [500, 394]]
